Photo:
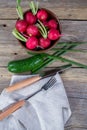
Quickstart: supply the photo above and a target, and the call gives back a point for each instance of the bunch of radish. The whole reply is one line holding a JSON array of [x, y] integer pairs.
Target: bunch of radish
[[35, 28]]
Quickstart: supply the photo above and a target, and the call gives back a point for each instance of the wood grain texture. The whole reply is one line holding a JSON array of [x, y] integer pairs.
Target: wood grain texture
[[12, 49], [72, 128], [65, 9], [74, 79], [72, 30], [79, 112], [73, 15]]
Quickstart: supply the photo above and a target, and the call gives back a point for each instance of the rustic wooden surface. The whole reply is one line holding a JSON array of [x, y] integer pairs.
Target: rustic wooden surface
[[73, 18]]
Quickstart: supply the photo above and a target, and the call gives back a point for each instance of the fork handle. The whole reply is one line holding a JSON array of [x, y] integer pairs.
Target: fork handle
[[11, 109], [23, 83]]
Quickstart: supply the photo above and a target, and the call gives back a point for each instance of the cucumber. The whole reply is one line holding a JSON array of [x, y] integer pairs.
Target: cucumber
[[25, 65]]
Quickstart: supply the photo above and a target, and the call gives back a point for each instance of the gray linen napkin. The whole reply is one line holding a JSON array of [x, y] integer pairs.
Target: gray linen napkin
[[47, 110]]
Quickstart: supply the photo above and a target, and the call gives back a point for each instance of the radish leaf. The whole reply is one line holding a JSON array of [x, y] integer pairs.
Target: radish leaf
[[19, 36], [19, 9]]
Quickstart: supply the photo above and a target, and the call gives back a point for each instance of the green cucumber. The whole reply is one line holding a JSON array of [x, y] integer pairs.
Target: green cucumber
[[25, 65]]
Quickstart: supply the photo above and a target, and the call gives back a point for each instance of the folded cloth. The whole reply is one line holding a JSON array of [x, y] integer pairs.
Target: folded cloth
[[47, 110]]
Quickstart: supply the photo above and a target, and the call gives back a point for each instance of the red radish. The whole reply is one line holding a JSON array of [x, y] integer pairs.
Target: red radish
[[44, 43], [30, 18], [53, 34], [32, 43], [52, 24], [45, 23], [39, 34], [21, 25], [32, 30], [42, 15]]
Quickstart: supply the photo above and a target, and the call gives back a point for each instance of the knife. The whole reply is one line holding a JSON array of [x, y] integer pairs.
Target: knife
[[23, 83], [34, 79], [5, 113]]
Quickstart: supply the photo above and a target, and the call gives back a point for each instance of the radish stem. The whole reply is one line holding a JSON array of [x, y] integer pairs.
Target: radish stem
[[34, 7], [42, 29], [18, 35], [19, 9]]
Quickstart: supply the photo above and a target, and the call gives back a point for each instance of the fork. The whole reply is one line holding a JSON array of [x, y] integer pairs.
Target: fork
[[46, 86], [19, 104]]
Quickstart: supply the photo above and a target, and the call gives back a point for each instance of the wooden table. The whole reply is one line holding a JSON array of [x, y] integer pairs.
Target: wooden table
[[73, 18]]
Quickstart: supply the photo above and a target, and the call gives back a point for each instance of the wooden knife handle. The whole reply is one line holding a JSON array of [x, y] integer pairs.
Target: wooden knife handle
[[22, 83], [11, 109]]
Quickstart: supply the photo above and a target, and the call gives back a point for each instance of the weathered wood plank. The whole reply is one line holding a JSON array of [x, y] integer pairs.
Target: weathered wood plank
[[9, 44], [67, 3], [17, 52], [10, 50], [79, 113], [76, 89], [62, 13], [76, 30], [72, 128], [64, 10], [74, 81], [4, 59]]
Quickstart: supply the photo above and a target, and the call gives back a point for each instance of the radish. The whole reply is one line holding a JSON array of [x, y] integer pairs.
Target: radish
[[32, 30], [30, 18], [53, 34], [42, 15], [44, 43], [39, 34], [21, 25], [52, 24], [45, 23], [32, 43], [25, 35]]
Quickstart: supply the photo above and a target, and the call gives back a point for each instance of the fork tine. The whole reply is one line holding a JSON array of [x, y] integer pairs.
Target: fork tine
[[50, 83]]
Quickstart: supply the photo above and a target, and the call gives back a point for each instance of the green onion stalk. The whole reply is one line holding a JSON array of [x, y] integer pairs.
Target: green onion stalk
[[58, 53]]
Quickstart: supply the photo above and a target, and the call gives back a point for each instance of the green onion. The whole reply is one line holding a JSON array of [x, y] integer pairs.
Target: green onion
[[59, 69], [64, 67], [70, 43], [64, 49], [71, 50], [67, 60], [47, 61]]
